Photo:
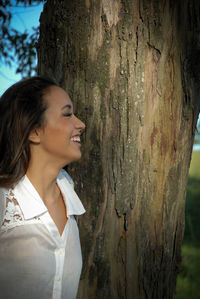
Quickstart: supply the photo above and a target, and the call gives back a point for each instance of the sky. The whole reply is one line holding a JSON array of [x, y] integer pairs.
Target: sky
[[22, 18]]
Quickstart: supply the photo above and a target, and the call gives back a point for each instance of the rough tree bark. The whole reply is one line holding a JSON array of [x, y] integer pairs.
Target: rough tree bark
[[131, 68]]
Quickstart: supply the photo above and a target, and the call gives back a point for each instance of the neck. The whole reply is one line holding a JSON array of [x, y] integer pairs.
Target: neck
[[43, 177]]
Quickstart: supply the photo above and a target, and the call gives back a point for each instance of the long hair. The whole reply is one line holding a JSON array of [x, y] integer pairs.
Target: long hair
[[22, 108]]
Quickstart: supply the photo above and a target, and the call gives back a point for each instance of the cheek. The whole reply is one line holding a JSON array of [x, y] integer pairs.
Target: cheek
[[66, 126], [60, 131]]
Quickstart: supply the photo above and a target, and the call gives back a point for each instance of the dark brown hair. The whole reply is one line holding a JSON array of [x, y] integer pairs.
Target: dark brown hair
[[22, 108]]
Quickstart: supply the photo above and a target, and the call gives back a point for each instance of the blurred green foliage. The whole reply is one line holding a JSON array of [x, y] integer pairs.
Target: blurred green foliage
[[188, 281]]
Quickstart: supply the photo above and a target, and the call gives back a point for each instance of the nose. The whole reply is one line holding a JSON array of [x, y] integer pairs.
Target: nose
[[79, 124]]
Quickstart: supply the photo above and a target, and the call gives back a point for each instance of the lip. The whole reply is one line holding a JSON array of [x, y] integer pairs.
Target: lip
[[76, 142]]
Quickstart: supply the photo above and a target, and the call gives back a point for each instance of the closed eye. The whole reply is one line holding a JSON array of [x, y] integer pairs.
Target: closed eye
[[67, 114]]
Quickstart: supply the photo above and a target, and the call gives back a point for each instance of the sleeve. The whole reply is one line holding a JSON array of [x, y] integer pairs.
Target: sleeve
[[2, 206]]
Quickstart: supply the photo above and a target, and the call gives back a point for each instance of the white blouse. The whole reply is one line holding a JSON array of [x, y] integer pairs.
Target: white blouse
[[35, 261]]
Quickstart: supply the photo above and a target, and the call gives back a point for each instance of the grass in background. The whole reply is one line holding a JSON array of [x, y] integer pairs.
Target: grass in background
[[188, 281]]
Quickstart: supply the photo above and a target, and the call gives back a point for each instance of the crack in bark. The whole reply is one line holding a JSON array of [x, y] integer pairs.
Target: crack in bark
[[136, 48]]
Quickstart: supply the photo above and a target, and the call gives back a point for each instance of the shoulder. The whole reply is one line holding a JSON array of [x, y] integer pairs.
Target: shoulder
[[2, 205]]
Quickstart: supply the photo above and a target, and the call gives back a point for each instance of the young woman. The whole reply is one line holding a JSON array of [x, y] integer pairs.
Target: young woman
[[40, 254]]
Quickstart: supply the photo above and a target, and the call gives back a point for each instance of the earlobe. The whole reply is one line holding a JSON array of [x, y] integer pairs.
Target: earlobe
[[34, 136]]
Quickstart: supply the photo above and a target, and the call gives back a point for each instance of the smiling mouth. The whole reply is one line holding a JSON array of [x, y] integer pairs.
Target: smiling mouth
[[76, 139]]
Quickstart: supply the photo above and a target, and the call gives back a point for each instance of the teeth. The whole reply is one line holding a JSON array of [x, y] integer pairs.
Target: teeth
[[77, 139]]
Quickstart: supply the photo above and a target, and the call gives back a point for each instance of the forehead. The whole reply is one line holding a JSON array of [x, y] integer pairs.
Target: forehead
[[57, 98]]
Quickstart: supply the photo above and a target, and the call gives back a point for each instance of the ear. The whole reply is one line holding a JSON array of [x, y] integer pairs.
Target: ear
[[34, 136]]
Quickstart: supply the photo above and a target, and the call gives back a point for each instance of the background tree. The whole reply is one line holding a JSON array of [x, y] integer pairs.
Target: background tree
[[132, 70]]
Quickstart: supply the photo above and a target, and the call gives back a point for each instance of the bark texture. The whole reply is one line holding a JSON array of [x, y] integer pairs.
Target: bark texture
[[132, 70]]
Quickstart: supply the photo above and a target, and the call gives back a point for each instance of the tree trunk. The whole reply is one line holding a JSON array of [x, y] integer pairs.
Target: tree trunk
[[131, 68]]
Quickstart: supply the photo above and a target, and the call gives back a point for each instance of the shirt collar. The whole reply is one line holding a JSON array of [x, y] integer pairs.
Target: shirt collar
[[32, 205], [72, 201]]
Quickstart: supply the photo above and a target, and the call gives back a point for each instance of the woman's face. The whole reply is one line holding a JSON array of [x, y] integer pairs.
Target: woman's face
[[60, 136]]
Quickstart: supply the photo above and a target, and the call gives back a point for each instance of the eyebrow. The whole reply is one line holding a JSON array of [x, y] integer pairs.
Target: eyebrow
[[67, 106]]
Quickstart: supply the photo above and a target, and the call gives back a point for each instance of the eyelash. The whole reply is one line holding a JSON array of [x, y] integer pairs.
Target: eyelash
[[68, 114]]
